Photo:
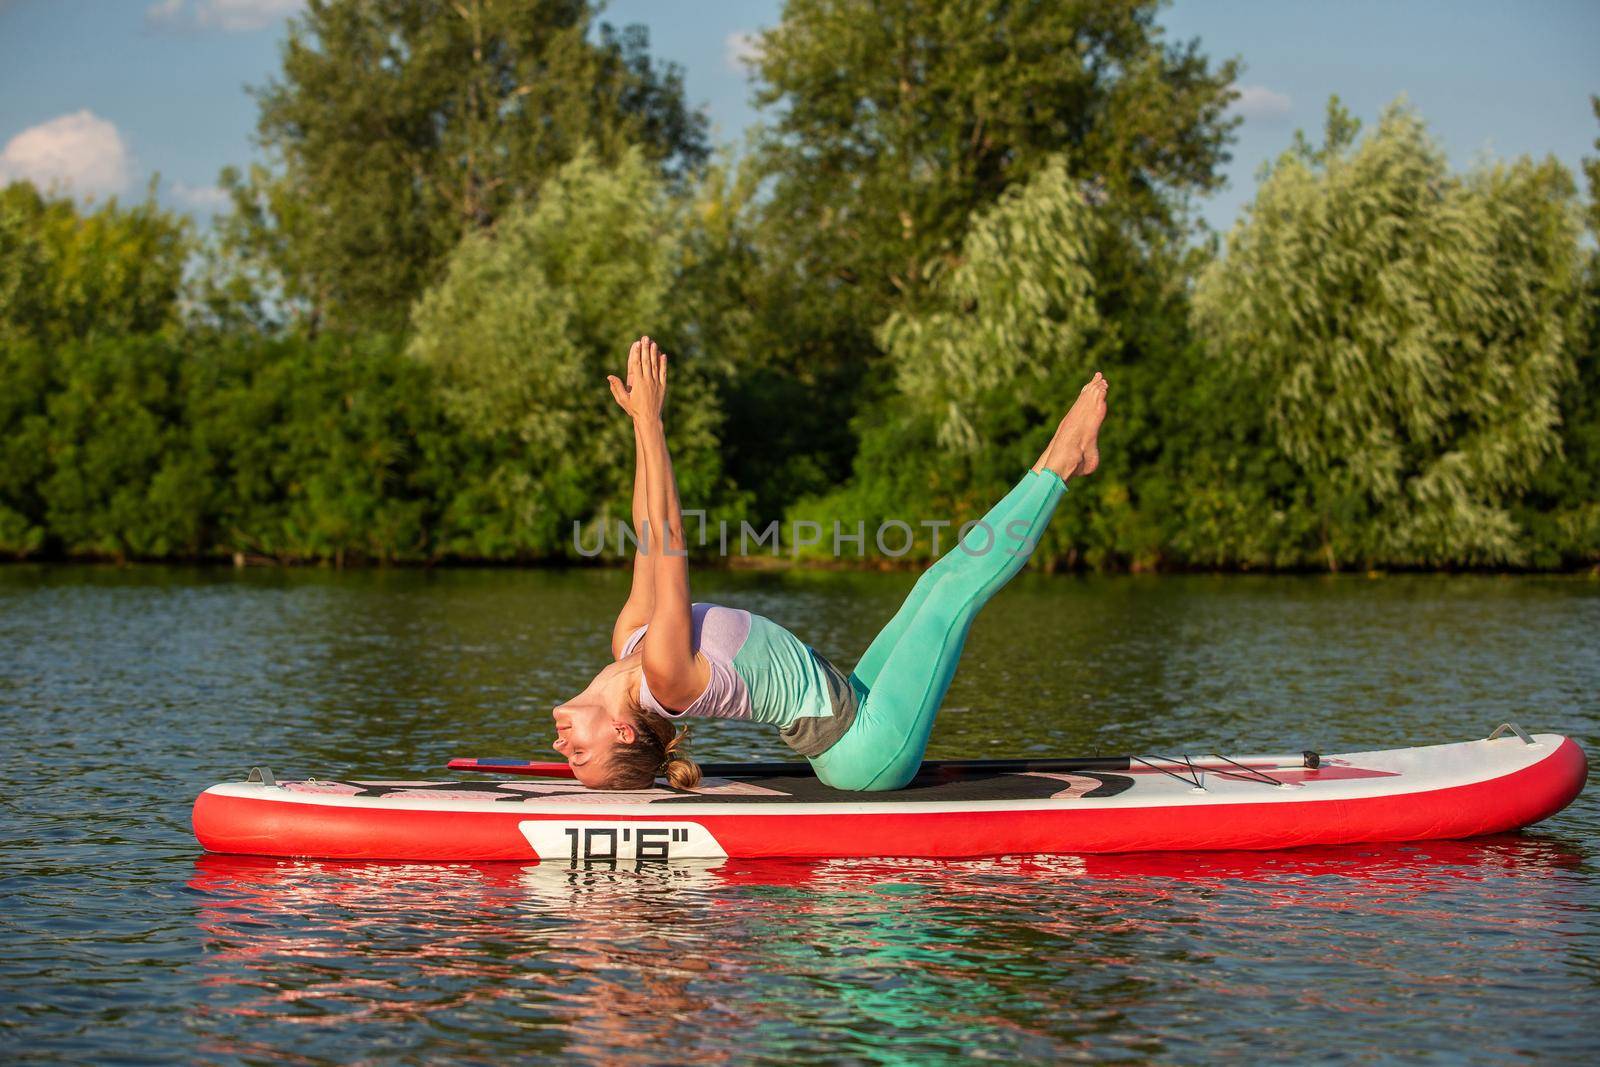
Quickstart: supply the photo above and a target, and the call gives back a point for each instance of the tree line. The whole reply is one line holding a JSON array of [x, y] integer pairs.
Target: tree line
[[393, 346]]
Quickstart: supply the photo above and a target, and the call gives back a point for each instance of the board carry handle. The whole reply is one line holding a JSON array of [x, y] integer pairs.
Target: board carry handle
[[1512, 728]]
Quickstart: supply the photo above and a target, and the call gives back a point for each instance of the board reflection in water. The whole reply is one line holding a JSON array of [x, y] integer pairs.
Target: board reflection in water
[[916, 959]]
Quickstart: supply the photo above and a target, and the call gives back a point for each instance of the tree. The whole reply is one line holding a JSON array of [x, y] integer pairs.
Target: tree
[[1407, 331], [983, 371], [894, 125], [121, 480], [1563, 511], [67, 275], [24, 459], [1000, 325], [400, 126], [70, 273], [321, 449], [522, 331]]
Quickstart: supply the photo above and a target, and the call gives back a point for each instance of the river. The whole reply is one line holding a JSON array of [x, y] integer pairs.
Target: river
[[124, 692]]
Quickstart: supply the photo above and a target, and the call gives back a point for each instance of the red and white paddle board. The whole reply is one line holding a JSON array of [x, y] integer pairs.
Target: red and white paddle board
[[954, 810]]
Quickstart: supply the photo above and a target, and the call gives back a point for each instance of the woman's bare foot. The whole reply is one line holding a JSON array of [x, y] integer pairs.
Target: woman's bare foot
[[1075, 449]]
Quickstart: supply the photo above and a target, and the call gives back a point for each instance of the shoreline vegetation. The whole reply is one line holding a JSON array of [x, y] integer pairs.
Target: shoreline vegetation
[[769, 565], [392, 349]]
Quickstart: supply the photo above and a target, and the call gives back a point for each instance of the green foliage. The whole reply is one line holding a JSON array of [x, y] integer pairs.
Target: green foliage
[[24, 461], [257, 269], [67, 274], [526, 324], [960, 211], [1407, 333], [752, 320], [400, 126], [981, 370], [160, 446], [892, 128], [896, 124], [324, 450], [1562, 512], [69, 280], [1004, 321], [122, 481], [998, 354]]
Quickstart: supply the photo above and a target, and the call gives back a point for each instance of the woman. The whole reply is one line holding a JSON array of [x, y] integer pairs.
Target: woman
[[867, 730]]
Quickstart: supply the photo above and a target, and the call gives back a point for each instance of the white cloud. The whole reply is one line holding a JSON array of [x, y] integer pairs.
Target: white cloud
[[208, 199], [80, 152], [1259, 102], [165, 12], [741, 50], [230, 16]]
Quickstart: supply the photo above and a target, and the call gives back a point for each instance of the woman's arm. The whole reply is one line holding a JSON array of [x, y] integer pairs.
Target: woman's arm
[[642, 596], [677, 676]]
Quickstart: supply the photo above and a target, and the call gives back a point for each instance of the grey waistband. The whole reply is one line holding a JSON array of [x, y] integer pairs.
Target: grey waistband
[[813, 735]]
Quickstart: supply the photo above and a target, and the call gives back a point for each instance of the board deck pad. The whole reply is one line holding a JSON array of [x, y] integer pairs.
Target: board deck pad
[[798, 789], [768, 790]]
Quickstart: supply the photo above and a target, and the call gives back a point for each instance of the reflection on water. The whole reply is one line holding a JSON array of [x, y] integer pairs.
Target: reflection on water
[[909, 960], [122, 693]]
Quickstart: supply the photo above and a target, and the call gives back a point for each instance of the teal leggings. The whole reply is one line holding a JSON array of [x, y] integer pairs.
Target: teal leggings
[[905, 673]]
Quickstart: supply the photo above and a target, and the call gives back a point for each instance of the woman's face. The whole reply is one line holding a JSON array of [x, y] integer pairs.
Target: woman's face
[[591, 723]]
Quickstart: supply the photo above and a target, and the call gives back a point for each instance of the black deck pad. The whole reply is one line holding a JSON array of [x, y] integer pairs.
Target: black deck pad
[[797, 789], [808, 790]]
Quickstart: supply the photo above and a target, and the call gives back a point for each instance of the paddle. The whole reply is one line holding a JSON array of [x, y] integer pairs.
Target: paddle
[[937, 769]]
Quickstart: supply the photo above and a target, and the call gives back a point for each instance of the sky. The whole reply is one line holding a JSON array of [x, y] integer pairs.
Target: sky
[[98, 96]]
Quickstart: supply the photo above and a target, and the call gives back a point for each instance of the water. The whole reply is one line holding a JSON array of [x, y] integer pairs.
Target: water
[[123, 693]]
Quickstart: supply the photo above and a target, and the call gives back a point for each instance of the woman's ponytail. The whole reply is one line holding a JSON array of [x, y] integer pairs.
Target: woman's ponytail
[[656, 752], [680, 771]]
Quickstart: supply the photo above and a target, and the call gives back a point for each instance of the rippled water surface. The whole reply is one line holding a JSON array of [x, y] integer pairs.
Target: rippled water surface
[[124, 693]]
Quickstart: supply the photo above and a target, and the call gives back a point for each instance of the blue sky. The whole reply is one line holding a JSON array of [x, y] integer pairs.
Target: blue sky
[[103, 93]]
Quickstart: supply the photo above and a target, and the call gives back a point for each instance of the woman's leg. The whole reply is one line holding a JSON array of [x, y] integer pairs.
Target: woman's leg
[[1073, 451], [885, 744], [872, 661]]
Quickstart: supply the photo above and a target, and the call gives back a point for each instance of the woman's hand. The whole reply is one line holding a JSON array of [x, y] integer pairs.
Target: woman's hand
[[622, 392], [646, 388]]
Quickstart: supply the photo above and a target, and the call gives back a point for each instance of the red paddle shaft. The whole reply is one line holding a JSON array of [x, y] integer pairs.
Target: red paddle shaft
[[512, 766]]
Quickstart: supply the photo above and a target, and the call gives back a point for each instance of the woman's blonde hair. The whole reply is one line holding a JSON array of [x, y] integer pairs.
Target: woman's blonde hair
[[657, 751]]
